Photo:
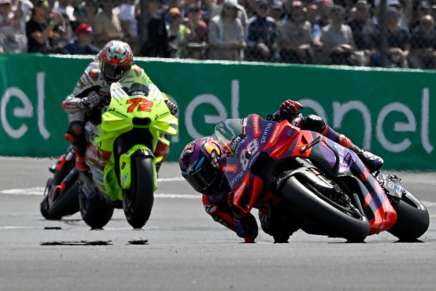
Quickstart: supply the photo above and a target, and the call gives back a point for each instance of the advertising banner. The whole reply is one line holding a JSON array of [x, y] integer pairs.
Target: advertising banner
[[389, 112]]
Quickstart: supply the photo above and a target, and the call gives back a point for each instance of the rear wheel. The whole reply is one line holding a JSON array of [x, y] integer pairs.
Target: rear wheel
[[56, 204], [413, 218], [330, 213], [95, 208], [138, 200], [65, 203]]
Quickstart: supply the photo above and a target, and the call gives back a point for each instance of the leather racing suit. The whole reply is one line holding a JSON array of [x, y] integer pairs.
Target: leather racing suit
[[90, 95]]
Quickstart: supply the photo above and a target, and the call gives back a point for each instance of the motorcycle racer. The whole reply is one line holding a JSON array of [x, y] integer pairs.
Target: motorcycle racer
[[114, 63], [202, 164]]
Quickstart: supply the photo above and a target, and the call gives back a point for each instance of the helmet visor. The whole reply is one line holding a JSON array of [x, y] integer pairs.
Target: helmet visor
[[204, 178], [114, 72]]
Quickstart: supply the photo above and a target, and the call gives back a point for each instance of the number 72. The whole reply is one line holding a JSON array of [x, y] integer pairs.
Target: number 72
[[142, 104]]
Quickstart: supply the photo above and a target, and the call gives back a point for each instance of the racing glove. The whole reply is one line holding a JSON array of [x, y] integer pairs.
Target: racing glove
[[74, 104], [289, 109]]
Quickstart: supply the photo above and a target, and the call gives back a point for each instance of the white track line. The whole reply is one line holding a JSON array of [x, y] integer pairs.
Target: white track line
[[171, 179], [39, 191]]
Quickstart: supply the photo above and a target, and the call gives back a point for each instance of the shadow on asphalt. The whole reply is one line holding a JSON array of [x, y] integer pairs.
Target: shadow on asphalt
[[78, 243]]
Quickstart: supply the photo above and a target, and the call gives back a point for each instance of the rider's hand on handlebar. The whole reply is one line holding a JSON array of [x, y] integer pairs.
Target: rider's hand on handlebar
[[171, 106], [91, 101], [289, 109]]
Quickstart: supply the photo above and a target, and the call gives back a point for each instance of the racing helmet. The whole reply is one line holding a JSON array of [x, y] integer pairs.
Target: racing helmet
[[116, 59], [200, 165]]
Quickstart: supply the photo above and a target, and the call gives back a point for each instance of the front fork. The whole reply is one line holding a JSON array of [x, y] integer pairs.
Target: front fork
[[125, 165]]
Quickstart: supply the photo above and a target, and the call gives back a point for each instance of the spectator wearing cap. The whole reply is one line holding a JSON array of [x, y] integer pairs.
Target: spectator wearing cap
[[40, 28], [83, 43], [12, 40], [423, 44], [276, 10], [226, 34], [337, 38], [262, 34], [177, 32], [157, 43], [364, 31], [107, 24], [294, 39], [398, 41], [404, 11], [196, 43]]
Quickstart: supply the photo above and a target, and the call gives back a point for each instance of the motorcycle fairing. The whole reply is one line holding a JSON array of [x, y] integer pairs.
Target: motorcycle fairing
[[258, 136], [123, 114], [281, 140]]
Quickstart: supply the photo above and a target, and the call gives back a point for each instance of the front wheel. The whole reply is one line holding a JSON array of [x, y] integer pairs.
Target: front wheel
[[334, 217], [413, 218], [138, 200]]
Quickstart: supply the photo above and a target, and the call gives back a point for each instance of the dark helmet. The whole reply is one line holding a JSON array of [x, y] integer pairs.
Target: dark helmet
[[200, 165], [116, 59]]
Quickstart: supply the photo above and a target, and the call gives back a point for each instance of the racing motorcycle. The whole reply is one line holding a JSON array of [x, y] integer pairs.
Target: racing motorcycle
[[121, 160], [271, 162]]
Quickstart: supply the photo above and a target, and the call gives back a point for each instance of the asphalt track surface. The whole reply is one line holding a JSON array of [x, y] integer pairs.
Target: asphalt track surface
[[186, 250]]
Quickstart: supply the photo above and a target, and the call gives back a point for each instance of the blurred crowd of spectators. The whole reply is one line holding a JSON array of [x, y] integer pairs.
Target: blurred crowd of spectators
[[287, 31]]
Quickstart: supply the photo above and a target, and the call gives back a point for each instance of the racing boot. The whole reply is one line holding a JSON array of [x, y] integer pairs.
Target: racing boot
[[371, 161], [81, 162], [76, 137]]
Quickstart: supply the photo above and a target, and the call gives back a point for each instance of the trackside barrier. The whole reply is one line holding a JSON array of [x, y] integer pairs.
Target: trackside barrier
[[390, 112]]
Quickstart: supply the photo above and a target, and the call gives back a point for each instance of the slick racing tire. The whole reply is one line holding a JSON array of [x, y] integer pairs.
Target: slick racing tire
[[334, 220], [96, 209], [413, 218], [138, 200], [66, 203]]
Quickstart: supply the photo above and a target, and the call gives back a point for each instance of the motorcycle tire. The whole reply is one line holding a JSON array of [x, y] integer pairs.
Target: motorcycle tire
[[413, 218], [67, 203], [138, 200], [96, 209], [324, 213]]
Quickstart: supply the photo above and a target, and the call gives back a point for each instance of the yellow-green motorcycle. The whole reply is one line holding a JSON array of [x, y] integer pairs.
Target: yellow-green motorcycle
[[121, 157]]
